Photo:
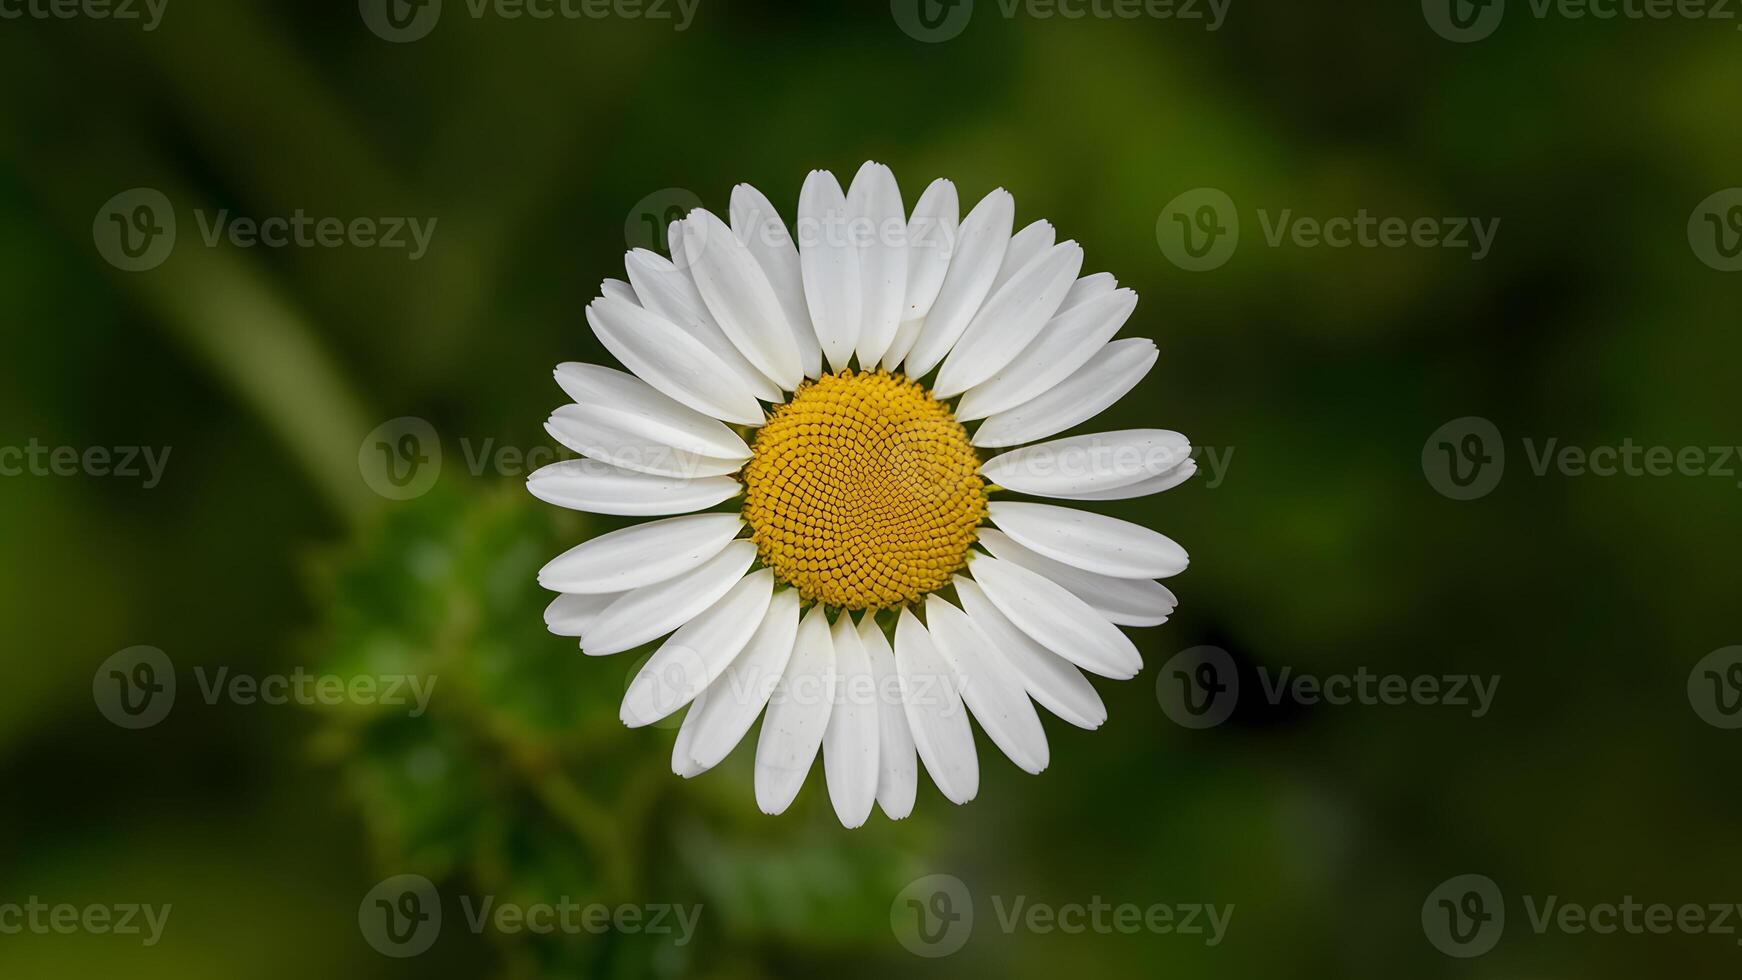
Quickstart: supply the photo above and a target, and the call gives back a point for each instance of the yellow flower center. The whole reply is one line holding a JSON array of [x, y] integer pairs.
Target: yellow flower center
[[863, 491]]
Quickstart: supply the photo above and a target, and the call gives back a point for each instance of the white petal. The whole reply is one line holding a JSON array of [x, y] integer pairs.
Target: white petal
[[850, 741], [980, 246], [729, 707], [758, 224], [1009, 321], [1088, 288], [1095, 542], [640, 555], [600, 488], [652, 611], [897, 766], [741, 299], [875, 210], [610, 437], [1025, 246], [1123, 601], [1142, 488], [935, 714], [682, 762], [1088, 463], [831, 267], [698, 652], [619, 289], [905, 335], [931, 241], [1057, 620], [1064, 344], [664, 356], [674, 239], [798, 714], [573, 615], [668, 291], [1049, 678], [990, 685], [1095, 386], [650, 412]]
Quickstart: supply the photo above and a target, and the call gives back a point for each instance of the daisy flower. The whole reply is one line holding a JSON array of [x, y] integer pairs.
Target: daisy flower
[[837, 418]]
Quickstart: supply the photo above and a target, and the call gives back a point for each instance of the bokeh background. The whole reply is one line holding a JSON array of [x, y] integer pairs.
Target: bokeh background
[[539, 146]]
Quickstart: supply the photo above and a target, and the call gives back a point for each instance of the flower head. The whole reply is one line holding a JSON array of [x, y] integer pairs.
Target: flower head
[[810, 577]]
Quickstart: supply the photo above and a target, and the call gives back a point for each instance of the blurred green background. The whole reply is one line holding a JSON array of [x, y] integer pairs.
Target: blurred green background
[[1323, 548]]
